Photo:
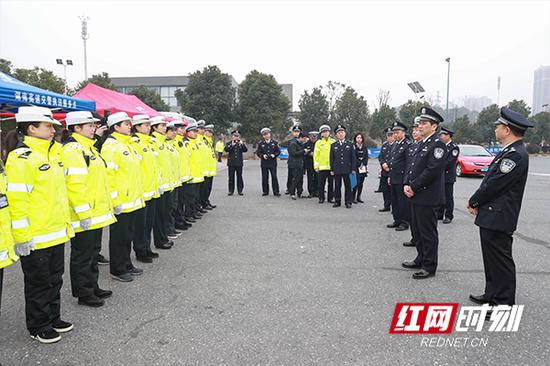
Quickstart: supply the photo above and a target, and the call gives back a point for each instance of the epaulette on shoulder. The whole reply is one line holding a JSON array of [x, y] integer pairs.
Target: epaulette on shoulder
[[74, 145], [22, 152]]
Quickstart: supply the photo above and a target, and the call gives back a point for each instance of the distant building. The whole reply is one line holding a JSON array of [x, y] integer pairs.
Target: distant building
[[541, 90], [166, 87], [477, 104]]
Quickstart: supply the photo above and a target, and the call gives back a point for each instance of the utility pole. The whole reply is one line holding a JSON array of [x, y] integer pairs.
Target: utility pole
[[84, 22], [498, 91], [448, 59]]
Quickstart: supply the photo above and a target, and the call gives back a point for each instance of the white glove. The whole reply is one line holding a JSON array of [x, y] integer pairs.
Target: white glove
[[85, 224], [161, 190], [24, 249], [117, 210]]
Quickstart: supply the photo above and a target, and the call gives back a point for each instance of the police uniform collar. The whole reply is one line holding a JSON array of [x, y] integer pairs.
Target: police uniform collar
[[83, 140], [37, 144], [143, 137], [121, 137], [159, 136]]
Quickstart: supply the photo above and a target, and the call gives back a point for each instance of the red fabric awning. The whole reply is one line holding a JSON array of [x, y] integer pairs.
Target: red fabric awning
[[113, 101]]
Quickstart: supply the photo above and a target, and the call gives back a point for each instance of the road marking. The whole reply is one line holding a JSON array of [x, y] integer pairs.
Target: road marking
[[541, 174]]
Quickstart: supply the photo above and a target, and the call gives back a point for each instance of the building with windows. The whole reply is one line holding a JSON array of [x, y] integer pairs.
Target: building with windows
[[541, 90], [166, 87], [477, 104]]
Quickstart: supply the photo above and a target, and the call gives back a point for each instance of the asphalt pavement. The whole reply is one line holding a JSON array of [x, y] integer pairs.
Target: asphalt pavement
[[271, 281]]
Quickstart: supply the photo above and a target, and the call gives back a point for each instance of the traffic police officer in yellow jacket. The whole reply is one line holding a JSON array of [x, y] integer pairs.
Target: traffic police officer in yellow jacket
[[219, 149], [210, 171], [175, 168], [124, 178], [321, 164], [180, 222], [161, 224], [205, 152], [40, 220], [150, 180], [195, 163], [90, 205]]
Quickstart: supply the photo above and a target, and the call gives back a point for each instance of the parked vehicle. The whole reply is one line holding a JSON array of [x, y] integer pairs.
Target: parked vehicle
[[473, 160]]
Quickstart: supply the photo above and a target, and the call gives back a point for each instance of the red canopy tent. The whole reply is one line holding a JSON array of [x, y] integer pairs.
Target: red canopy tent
[[113, 101]]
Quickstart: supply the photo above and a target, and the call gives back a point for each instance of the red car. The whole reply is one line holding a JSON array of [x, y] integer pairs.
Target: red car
[[473, 160]]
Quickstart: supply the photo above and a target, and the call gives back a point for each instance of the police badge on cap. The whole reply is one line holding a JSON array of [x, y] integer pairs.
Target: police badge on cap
[[428, 114]]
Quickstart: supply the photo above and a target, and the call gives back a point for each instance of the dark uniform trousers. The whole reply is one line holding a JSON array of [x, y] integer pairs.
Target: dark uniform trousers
[[386, 192], [500, 270], [121, 234], [358, 189], [338, 178], [85, 247], [322, 178], [424, 222], [145, 219], [43, 276], [311, 180], [172, 207], [289, 178], [179, 214], [206, 189], [235, 170], [189, 190], [400, 205], [297, 184], [197, 198], [160, 233], [447, 209], [266, 171]]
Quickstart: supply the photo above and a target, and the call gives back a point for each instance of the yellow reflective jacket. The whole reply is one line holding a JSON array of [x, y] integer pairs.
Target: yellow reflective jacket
[[163, 159], [210, 157], [184, 159], [203, 148], [123, 172], [175, 165], [86, 181], [150, 170], [220, 146], [321, 153], [7, 255], [195, 160], [37, 196]]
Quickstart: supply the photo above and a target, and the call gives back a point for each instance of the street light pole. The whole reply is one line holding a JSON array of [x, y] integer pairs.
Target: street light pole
[[448, 59]]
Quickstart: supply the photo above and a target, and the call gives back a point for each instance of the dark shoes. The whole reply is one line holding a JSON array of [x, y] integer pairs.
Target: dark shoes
[[167, 245], [321, 200], [384, 210], [47, 336], [393, 225], [125, 277], [102, 260], [409, 244], [190, 219], [348, 205], [360, 200], [410, 264], [103, 294], [422, 274], [91, 301], [61, 326], [241, 194], [447, 220], [336, 204], [402, 228], [479, 299], [293, 197], [144, 259], [277, 194], [230, 193], [135, 271], [265, 194]]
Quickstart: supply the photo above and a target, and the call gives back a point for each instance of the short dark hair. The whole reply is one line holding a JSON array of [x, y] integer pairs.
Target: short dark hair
[[516, 131]]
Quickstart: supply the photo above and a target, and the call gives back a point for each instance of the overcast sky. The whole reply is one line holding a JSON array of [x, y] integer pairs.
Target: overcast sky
[[366, 44]]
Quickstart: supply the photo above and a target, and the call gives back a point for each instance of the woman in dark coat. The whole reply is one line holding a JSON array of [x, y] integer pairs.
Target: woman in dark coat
[[362, 159]]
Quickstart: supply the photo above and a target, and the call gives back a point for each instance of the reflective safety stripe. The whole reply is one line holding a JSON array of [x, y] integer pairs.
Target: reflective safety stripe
[[148, 194], [114, 194], [128, 205], [19, 187], [76, 171], [205, 172], [198, 180], [81, 208], [94, 221], [324, 167], [111, 165], [19, 224], [165, 186], [50, 236], [3, 255]]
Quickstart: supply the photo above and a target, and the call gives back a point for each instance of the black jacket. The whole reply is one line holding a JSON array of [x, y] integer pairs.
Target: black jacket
[[399, 161], [450, 167], [385, 156], [268, 148], [308, 159], [296, 154], [426, 173], [342, 157], [361, 157], [500, 194], [235, 153]]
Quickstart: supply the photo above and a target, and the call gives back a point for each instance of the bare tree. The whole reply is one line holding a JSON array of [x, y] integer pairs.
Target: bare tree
[[333, 90], [383, 97]]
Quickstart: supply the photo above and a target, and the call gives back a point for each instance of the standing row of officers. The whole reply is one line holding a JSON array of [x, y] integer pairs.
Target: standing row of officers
[[329, 164], [148, 181]]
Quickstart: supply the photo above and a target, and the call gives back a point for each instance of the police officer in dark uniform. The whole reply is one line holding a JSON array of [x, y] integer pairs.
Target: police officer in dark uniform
[[497, 204], [308, 164], [384, 159], [413, 147], [342, 164], [235, 149], [424, 185], [446, 211], [267, 151], [398, 164], [295, 132], [296, 154]]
